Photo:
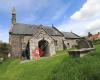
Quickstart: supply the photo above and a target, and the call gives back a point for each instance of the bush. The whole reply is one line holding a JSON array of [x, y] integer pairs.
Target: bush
[[4, 50], [96, 42]]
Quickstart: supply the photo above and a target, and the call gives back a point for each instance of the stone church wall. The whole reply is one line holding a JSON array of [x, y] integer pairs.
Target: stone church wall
[[59, 40], [41, 35], [15, 43], [70, 43], [18, 44]]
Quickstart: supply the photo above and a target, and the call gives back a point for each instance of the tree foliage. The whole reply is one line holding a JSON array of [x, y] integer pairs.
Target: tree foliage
[[95, 42], [4, 49], [89, 34]]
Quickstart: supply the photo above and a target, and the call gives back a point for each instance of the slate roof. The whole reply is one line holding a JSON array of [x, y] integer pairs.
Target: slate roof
[[70, 35], [28, 29], [32, 29]]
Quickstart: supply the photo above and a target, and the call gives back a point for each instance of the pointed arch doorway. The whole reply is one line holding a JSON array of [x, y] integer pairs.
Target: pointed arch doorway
[[44, 46]]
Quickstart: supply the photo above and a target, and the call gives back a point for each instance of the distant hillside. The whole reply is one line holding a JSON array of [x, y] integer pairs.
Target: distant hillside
[[60, 67]]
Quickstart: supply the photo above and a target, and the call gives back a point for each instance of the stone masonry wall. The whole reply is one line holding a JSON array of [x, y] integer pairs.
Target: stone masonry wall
[[18, 44], [59, 40], [70, 42], [15, 43], [42, 35]]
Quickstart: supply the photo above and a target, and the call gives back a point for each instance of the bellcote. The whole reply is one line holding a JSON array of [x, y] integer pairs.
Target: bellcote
[[13, 16]]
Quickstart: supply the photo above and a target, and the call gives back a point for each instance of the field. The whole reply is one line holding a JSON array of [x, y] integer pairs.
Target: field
[[59, 67]]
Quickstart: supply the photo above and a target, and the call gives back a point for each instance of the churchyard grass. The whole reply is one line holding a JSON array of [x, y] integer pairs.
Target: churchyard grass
[[61, 67]]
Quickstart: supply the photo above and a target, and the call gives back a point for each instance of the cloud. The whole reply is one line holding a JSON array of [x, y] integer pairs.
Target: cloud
[[23, 5], [80, 27], [0, 26], [30, 19], [28, 11], [9, 4], [90, 9], [93, 26], [61, 11], [87, 18], [74, 26]]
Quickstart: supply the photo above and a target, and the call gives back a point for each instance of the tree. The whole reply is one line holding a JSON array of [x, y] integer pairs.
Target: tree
[[4, 50], [89, 34]]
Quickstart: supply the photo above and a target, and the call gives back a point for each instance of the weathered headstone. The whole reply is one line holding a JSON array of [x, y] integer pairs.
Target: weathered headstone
[[84, 44]]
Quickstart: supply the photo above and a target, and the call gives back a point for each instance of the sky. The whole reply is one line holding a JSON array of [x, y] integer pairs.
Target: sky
[[78, 16]]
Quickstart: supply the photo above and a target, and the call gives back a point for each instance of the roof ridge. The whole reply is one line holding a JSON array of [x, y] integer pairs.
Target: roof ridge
[[57, 30], [70, 35], [75, 34], [36, 25], [46, 32], [27, 24], [65, 32]]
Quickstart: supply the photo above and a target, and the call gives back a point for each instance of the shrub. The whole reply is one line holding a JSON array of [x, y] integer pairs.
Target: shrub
[[95, 42], [4, 50]]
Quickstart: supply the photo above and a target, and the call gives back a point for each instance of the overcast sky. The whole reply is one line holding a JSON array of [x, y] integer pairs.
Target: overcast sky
[[79, 16]]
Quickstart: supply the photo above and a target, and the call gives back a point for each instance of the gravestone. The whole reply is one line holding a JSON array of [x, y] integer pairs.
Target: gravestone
[[84, 44]]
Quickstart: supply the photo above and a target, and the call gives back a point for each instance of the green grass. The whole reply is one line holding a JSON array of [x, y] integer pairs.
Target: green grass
[[60, 67]]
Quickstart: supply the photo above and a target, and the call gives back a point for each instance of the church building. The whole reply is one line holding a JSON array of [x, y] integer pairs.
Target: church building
[[25, 38]]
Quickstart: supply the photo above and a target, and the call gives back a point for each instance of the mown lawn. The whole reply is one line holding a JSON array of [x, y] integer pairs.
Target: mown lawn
[[60, 67]]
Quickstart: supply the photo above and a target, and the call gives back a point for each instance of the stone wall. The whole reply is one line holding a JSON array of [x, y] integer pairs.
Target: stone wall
[[59, 40], [41, 35], [15, 43], [18, 44], [70, 43], [24, 40]]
